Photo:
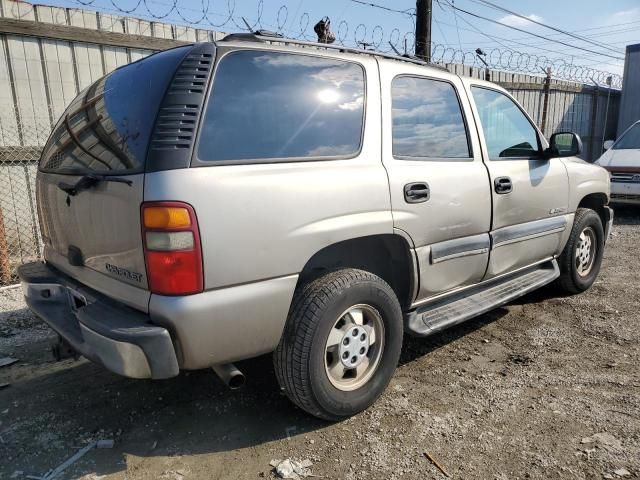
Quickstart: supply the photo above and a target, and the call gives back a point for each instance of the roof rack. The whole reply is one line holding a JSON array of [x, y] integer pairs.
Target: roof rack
[[265, 36]]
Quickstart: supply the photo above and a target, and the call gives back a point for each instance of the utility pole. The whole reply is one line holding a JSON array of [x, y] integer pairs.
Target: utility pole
[[423, 29]]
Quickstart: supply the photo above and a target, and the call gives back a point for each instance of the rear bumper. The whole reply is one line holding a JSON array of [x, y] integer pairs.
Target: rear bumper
[[121, 339]]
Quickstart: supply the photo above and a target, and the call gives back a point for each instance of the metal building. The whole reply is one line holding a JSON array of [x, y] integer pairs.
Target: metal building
[[630, 101]]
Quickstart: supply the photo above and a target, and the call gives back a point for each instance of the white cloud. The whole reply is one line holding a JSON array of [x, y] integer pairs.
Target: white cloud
[[515, 21], [623, 16]]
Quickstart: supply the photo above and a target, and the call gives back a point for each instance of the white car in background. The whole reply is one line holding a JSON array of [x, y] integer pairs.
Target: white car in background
[[622, 160]]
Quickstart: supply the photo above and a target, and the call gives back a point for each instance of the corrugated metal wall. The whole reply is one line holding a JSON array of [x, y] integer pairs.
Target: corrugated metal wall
[[40, 76], [630, 111]]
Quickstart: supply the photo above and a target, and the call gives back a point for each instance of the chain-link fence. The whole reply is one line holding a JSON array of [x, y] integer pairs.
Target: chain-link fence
[[20, 240]]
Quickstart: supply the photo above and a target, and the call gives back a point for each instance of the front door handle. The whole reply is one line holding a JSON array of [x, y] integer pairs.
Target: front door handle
[[503, 185], [416, 192]]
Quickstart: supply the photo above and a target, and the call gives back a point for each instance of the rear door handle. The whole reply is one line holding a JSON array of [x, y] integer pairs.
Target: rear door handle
[[503, 185], [416, 192]]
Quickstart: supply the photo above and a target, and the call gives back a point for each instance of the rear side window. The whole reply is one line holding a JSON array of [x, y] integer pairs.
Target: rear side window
[[106, 128], [269, 105], [630, 140], [427, 120]]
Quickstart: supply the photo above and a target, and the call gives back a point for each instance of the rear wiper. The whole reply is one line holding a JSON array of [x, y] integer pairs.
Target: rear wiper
[[88, 181]]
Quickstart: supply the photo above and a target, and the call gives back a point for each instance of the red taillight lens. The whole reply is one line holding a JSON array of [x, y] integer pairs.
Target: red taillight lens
[[172, 248]]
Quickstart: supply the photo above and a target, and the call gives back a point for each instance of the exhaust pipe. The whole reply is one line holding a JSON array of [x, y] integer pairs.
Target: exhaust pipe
[[230, 375]]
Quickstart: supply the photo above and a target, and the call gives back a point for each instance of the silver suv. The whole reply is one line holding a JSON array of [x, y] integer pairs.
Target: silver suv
[[220, 201]]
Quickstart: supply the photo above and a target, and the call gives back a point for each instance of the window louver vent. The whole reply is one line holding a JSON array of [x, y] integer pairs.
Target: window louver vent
[[177, 119]]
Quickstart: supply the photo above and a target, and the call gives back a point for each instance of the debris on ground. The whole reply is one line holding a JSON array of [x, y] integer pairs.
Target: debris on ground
[[105, 444], [173, 474], [437, 465], [6, 361], [70, 461], [292, 469], [4, 385], [622, 472], [605, 439]]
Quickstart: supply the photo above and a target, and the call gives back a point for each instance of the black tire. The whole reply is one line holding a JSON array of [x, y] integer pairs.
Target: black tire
[[299, 359], [570, 281]]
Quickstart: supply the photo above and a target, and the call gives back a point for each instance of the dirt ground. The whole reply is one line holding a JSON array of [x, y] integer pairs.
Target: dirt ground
[[545, 387]]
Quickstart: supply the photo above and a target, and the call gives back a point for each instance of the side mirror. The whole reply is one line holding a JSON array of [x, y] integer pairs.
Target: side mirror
[[607, 144], [564, 144]]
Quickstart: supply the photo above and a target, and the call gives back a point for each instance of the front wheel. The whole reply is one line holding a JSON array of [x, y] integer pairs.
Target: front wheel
[[341, 343], [581, 258]]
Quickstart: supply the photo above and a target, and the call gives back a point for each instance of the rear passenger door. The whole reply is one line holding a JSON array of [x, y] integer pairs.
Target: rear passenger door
[[530, 193], [439, 187]]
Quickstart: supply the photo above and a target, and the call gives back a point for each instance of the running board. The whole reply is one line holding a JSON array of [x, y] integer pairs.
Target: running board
[[441, 314]]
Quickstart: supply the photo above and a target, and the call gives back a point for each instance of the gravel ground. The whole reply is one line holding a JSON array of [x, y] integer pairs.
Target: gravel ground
[[544, 388]]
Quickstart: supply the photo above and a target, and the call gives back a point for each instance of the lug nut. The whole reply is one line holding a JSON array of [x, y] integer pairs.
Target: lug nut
[[362, 350], [363, 337], [345, 355], [355, 332], [354, 359], [345, 341]]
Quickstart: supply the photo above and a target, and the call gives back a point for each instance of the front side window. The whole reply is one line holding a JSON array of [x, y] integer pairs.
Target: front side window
[[630, 140], [270, 105], [427, 120], [507, 131]]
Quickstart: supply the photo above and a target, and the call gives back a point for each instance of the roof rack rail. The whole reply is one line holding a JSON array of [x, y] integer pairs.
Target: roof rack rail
[[263, 36]]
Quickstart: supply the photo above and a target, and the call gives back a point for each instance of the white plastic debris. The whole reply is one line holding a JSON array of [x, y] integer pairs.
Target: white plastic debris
[[105, 444], [622, 472], [292, 469], [6, 361]]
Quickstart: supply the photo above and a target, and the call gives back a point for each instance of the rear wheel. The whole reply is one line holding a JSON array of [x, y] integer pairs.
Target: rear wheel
[[580, 261], [341, 343]]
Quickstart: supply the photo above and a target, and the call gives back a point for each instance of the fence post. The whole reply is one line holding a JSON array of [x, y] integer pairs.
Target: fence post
[[5, 264], [545, 104], [594, 119]]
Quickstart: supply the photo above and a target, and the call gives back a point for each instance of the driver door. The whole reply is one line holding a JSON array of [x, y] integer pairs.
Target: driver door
[[530, 194]]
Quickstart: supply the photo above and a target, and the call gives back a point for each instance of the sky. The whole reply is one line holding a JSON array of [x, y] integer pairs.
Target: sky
[[611, 25]]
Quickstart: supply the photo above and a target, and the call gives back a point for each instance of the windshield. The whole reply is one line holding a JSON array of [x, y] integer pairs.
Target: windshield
[[630, 140], [106, 128]]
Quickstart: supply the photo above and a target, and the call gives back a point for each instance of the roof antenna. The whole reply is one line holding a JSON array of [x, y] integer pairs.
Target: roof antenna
[[393, 47], [247, 24]]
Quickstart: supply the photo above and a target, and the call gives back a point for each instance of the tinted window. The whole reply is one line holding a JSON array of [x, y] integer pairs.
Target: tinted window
[[507, 131], [107, 127], [268, 105], [427, 120], [629, 140]]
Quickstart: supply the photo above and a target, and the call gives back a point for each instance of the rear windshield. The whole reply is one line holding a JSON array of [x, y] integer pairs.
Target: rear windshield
[[630, 140], [269, 105], [106, 129]]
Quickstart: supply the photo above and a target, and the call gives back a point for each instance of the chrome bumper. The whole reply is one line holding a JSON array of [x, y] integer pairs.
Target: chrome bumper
[[106, 332]]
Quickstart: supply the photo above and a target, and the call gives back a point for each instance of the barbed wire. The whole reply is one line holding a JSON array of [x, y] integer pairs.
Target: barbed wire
[[363, 36]]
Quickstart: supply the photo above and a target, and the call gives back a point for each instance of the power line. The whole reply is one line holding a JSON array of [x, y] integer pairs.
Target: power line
[[496, 39], [455, 17], [550, 27], [408, 11], [466, 12]]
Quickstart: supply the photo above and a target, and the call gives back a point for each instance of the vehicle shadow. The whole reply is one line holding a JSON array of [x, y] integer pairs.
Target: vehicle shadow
[[416, 347], [626, 215], [191, 414]]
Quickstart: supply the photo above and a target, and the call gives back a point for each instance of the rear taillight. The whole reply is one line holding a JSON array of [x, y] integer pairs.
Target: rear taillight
[[172, 248]]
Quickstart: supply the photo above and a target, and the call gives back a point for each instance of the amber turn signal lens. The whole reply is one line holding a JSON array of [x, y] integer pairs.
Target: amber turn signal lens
[[166, 217]]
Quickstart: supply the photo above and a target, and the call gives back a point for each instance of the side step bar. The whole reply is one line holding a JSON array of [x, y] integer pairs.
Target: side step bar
[[441, 314]]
